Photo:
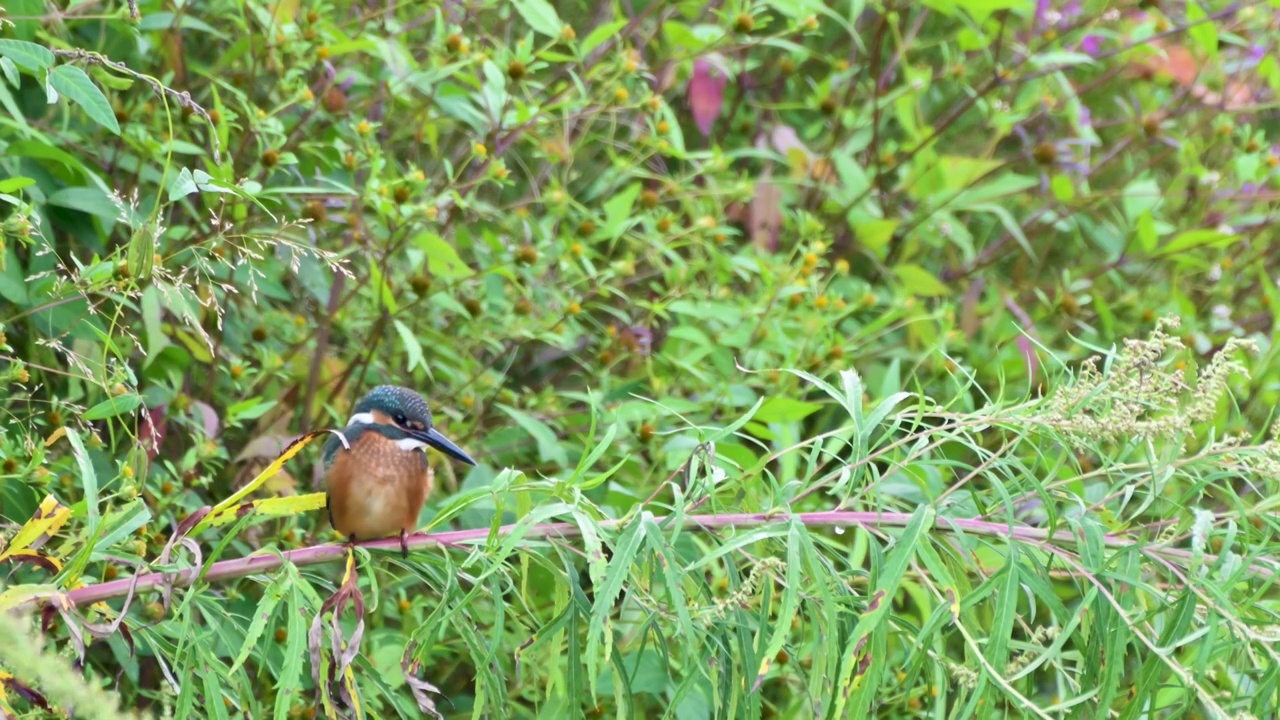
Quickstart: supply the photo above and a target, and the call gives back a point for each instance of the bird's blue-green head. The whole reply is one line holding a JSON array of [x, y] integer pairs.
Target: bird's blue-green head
[[402, 415]]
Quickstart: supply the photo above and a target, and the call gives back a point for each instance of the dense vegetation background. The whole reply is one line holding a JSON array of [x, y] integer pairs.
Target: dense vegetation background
[[878, 357]]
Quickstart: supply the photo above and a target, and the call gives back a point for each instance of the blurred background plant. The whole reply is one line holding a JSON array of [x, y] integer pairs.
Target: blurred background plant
[[622, 247]]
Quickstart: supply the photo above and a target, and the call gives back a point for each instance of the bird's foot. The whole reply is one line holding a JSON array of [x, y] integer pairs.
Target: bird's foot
[[404, 544]]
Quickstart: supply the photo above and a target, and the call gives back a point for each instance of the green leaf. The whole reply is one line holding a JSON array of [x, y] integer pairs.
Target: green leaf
[[874, 235], [152, 314], [919, 281], [75, 85], [1145, 231], [27, 55], [982, 9], [950, 172], [600, 631], [14, 184], [13, 287], [598, 449], [673, 577], [10, 71], [266, 607], [549, 449], [289, 682], [411, 346], [1141, 196], [1200, 238], [797, 9], [617, 211], [183, 185], [1062, 187], [442, 258], [1269, 70], [122, 522], [88, 479], [90, 200], [1202, 30], [599, 35], [881, 601], [1060, 59], [113, 407], [784, 410], [250, 409], [790, 600], [540, 16]]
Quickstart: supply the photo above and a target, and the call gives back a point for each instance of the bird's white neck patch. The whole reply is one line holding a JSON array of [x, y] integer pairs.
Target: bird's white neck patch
[[410, 444], [364, 418]]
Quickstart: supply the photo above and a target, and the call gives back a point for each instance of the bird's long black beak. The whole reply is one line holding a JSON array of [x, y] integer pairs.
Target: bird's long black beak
[[432, 437]]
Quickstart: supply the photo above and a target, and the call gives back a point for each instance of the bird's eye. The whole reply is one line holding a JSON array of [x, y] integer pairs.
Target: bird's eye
[[399, 418]]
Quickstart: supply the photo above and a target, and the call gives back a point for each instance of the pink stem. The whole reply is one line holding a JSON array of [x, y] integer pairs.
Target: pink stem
[[314, 555]]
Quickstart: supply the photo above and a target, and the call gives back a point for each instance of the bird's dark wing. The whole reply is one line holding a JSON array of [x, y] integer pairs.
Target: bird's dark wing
[[334, 444]]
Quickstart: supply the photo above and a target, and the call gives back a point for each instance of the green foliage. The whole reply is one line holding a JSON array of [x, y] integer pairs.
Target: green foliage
[[633, 254]]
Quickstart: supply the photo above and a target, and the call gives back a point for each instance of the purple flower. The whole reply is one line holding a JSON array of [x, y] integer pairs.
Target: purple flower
[[1090, 45], [1047, 16]]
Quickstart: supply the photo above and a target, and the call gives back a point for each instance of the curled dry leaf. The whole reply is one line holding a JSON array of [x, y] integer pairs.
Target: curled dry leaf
[[337, 684], [421, 689]]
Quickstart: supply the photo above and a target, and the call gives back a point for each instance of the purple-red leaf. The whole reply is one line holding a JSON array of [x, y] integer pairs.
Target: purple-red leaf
[[706, 94]]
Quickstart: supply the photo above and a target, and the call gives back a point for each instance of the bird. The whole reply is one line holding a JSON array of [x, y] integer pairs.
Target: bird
[[377, 475]]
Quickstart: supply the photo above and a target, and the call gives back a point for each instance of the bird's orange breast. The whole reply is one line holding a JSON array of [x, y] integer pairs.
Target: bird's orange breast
[[376, 489]]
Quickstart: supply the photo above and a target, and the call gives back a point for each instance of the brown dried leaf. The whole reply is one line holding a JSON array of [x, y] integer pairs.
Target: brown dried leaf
[[421, 689], [765, 215]]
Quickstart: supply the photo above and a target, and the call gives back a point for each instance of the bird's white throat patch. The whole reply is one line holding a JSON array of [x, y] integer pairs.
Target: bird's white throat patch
[[410, 444]]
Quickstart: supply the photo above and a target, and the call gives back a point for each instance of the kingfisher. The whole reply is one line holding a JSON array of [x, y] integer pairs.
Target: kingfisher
[[377, 480]]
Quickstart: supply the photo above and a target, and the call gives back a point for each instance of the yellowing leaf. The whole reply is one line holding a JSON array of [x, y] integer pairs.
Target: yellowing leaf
[[17, 595], [918, 281], [48, 520], [270, 507], [228, 509], [285, 11]]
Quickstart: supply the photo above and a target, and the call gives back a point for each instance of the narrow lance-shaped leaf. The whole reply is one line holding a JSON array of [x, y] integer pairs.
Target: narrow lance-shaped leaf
[[881, 600], [271, 597], [790, 602], [599, 631]]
